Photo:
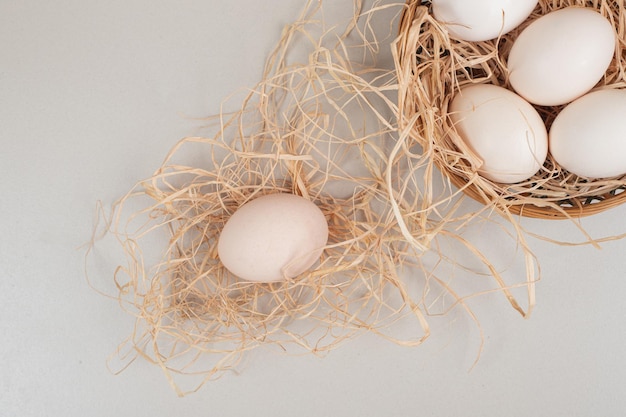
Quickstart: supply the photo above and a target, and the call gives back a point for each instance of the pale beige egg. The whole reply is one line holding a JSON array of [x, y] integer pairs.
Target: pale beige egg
[[588, 137], [275, 237], [503, 129]]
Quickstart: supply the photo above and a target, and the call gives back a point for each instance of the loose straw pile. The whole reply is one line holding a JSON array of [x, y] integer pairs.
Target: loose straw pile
[[323, 127], [318, 129], [431, 70]]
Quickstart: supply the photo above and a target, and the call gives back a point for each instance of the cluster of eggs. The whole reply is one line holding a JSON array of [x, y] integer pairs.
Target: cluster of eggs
[[556, 60]]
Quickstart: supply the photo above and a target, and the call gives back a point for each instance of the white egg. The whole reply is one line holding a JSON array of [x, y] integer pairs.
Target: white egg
[[273, 238], [561, 56], [503, 129], [588, 137], [481, 20]]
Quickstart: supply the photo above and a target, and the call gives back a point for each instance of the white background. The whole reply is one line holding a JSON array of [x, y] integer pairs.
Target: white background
[[92, 96]]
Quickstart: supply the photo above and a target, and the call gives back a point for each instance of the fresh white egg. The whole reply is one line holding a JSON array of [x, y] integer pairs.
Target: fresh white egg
[[588, 137], [273, 238], [503, 129], [481, 20], [561, 55]]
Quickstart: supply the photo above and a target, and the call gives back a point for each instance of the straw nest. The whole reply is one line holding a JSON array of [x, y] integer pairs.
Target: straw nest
[[318, 128], [321, 124], [432, 68]]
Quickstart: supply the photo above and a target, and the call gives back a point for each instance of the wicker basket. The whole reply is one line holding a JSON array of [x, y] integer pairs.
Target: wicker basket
[[431, 69]]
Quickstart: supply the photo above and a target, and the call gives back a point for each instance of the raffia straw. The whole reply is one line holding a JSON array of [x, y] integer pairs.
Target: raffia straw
[[296, 132], [320, 124], [432, 68]]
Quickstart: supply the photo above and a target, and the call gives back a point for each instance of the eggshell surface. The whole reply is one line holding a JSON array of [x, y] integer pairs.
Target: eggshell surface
[[272, 238], [588, 137], [561, 56], [481, 20], [503, 129]]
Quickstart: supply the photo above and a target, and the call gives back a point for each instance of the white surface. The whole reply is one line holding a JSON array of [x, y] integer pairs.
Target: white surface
[[92, 96]]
